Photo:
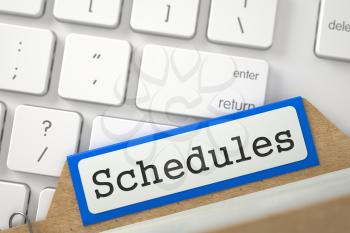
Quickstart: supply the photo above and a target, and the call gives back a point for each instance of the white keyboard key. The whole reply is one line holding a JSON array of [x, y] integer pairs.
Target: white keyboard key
[[108, 130], [171, 18], [26, 56], [2, 118], [95, 69], [32, 8], [42, 138], [13, 198], [104, 13], [242, 22], [45, 199], [333, 33], [201, 84]]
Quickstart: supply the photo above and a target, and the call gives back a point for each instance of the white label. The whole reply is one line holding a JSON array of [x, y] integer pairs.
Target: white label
[[119, 178]]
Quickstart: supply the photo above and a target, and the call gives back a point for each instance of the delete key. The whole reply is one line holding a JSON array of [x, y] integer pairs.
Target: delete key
[[333, 31]]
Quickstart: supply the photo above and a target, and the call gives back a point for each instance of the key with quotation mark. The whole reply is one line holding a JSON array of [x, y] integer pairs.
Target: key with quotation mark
[[95, 69], [246, 23], [42, 138], [170, 18], [25, 58]]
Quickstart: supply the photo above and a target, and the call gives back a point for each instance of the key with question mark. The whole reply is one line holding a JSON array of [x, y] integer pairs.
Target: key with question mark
[[42, 138]]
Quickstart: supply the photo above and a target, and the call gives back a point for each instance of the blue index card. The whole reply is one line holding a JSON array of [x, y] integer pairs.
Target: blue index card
[[192, 160]]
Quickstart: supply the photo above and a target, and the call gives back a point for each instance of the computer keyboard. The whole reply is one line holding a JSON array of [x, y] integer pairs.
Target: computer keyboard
[[76, 75]]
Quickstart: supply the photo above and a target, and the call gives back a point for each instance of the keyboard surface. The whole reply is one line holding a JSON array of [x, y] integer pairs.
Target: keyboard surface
[[75, 76]]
